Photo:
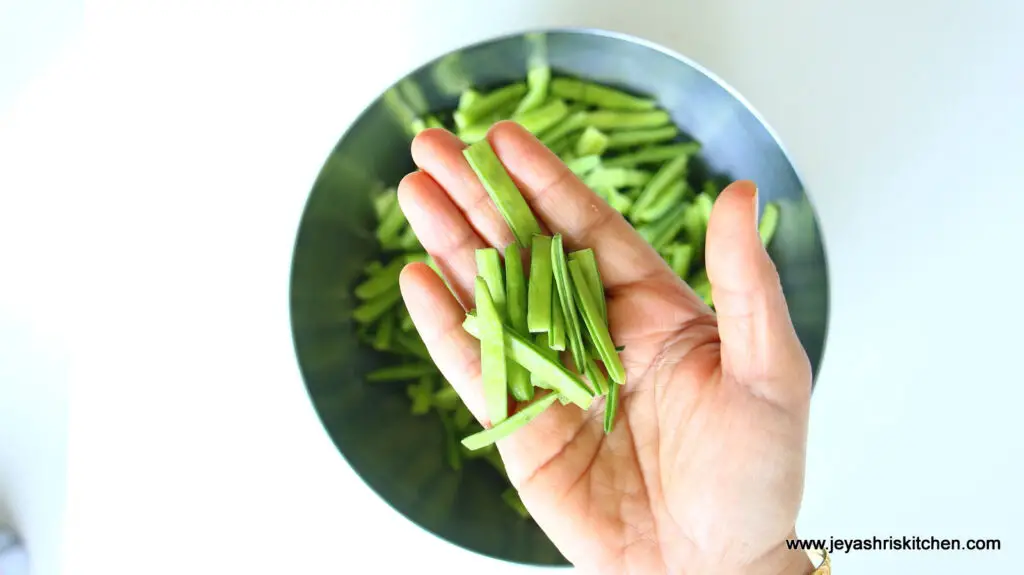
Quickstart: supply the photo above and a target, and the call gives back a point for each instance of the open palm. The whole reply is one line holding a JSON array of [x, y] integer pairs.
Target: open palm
[[704, 470]]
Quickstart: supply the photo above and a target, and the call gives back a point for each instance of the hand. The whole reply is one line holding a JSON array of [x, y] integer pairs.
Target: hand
[[704, 470]]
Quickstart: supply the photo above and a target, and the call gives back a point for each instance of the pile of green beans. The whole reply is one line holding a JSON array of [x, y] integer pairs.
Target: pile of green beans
[[629, 153]]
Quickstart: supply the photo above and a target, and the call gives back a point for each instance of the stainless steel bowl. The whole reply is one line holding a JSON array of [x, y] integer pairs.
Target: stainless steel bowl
[[400, 455]]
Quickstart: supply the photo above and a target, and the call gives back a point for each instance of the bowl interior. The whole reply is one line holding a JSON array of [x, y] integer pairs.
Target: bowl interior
[[401, 456]]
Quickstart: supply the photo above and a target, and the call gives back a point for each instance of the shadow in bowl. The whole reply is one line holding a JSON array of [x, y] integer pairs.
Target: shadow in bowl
[[402, 456]]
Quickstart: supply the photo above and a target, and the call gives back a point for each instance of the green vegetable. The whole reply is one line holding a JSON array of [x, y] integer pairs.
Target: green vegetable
[[544, 117], [383, 202], [541, 341], [382, 339], [403, 372], [597, 95], [652, 155], [563, 285], [588, 262], [769, 223], [474, 106], [620, 140], [515, 284], [509, 426], [614, 120], [593, 373], [662, 203], [618, 201], [556, 334], [492, 354], [380, 280], [696, 221], [503, 192], [602, 177], [552, 372], [557, 133], [391, 225], [582, 165], [701, 286], [669, 173], [422, 395], [666, 228], [411, 344], [679, 257], [591, 142], [610, 407], [488, 266], [511, 497], [446, 398], [538, 308], [537, 79], [595, 325], [451, 441], [378, 305]]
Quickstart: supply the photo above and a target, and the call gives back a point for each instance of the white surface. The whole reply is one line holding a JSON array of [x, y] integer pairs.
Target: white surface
[[163, 163]]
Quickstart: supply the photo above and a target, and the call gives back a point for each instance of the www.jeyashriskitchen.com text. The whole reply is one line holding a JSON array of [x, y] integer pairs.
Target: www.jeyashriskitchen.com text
[[836, 545]]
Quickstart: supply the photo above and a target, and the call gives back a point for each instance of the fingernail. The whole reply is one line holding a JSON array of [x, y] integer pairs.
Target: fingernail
[[756, 210]]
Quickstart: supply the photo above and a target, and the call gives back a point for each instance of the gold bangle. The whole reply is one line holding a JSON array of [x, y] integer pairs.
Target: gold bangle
[[821, 561]]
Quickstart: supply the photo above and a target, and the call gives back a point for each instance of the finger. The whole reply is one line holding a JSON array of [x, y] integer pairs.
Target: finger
[[443, 231], [569, 207], [439, 153], [438, 319], [759, 345]]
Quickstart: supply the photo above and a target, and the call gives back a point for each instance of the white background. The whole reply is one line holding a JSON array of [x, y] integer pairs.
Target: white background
[[153, 170]]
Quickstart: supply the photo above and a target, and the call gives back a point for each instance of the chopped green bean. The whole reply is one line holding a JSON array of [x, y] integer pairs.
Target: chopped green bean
[[679, 257], [378, 305], [696, 221], [629, 139], [382, 339], [538, 308], [446, 398], [541, 341], [584, 164], [522, 351], [711, 190], [618, 201], [411, 343], [404, 372], [652, 155], [617, 120], [451, 441], [769, 223], [493, 367], [433, 122], [515, 284], [595, 326], [611, 405], [669, 173], [383, 202], [509, 426], [557, 133], [489, 267], [391, 226], [511, 497], [591, 142], [503, 192], [462, 418], [603, 177], [475, 106], [563, 285], [556, 333], [538, 120], [422, 395], [380, 281], [537, 80], [701, 286], [588, 262], [597, 379], [408, 240], [597, 95], [668, 197]]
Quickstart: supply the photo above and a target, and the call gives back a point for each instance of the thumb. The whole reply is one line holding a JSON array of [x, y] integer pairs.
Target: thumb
[[760, 348]]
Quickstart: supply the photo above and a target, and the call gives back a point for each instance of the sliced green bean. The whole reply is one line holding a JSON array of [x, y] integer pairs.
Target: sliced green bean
[[701, 286], [432, 122], [462, 418], [556, 134], [669, 173], [446, 398], [541, 341], [563, 285], [653, 155], [538, 120], [632, 138], [556, 334], [611, 405], [381, 280], [679, 257], [503, 192], [509, 426], [588, 262], [408, 240], [489, 267], [391, 226], [537, 80], [377, 306], [595, 326], [711, 190], [422, 395], [769, 223], [515, 291], [597, 379], [670, 196], [476, 106], [493, 367], [383, 202], [591, 142], [538, 308], [618, 201], [523, 351], [696, 221], [411, 343], [385, 330], [597, 95], [582, 165], [618, 120], [404, 372], [603, 177]]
